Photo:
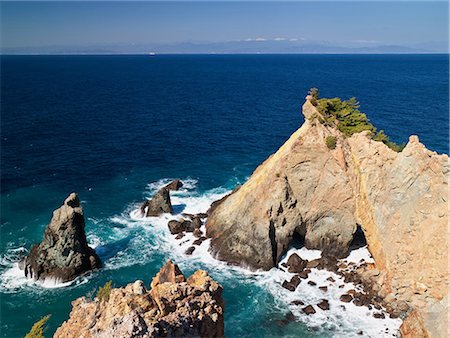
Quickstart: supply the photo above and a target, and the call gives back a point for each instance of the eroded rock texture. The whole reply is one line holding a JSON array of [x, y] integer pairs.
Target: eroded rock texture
[[63, 253], [160, 203], [400, 201], [173, 307]]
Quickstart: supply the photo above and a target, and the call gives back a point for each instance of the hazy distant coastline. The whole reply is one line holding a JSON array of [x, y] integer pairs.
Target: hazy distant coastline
[[250, 46]]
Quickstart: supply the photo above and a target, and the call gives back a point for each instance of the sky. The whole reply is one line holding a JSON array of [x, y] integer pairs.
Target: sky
[[87, 24]]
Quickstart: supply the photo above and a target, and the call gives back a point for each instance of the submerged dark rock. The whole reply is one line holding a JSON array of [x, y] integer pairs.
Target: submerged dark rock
[[63, 253], [159, 204]]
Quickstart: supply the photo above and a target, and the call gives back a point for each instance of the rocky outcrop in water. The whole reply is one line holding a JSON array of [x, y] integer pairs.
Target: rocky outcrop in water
[[63, 253], [159, 204], [173, 307], [322, 193]]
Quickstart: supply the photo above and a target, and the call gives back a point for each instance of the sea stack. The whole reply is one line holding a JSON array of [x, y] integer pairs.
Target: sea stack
[[159, 204], [173, 307], [321, 185], [63, 253]]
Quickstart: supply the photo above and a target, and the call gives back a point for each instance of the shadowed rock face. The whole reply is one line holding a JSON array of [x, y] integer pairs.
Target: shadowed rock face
[[174, 185], [159, 204], [173, 307], [303, 188], [63, 253], [400, 201]]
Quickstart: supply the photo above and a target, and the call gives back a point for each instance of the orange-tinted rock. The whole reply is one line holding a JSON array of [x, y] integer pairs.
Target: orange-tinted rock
[[169, 273], [192, 308]]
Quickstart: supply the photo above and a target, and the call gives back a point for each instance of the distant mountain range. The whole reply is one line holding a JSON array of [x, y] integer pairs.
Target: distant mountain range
[[248, 46]]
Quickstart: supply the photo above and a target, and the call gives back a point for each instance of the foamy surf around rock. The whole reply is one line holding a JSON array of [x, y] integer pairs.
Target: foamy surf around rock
[[132, 239], [342, 319]]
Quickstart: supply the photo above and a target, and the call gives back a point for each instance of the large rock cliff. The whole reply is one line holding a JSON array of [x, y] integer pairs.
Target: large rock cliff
[[63, 253], [174, 307], [323, 193]]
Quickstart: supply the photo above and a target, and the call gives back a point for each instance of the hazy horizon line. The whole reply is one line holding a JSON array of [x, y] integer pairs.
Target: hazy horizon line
[[188, 53]]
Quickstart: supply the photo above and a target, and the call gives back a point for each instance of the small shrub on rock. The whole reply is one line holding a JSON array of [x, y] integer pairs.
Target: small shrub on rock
[[314, 93], [330, 141], [104, 292], [37, 331], [347, 118]]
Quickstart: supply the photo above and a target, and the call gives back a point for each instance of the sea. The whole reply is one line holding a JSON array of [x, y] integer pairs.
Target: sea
[[116, 128]]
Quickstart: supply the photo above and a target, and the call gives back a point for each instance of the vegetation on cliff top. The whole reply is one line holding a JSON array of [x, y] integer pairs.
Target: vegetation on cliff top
[[104, 292], [347, 118], [37, 331]]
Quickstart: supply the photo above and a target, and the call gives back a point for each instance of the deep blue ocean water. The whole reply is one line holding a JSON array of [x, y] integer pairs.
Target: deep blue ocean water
[[108, 126]]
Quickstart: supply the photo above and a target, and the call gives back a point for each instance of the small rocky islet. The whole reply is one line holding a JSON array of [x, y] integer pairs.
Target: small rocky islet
[[63, 253], [321, 186]]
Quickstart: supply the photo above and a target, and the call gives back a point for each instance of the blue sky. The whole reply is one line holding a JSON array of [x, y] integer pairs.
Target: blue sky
[[83, 23]]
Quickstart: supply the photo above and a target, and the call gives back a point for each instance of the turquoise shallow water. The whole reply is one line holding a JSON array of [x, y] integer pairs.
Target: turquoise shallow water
[[112, 127]]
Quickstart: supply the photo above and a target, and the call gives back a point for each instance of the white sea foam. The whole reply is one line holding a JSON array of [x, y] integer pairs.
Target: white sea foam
[[150, 235], [342, 320], [359, 256], [13, 279]]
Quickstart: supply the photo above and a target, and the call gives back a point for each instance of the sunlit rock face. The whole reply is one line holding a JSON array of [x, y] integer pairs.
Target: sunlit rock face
[[173, 307], [399, 199]]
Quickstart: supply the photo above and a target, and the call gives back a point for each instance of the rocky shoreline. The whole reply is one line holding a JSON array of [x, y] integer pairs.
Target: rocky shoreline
[[322, 193], [173, 307], [311, 191]]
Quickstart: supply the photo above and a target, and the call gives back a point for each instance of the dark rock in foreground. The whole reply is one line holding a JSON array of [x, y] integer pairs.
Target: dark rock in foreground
[[296, 264], [190, 250], [173, 307], [176, 227], [63, 253], [346, 298], [288, 285], [324, 305], [309, 310], [159, 204]]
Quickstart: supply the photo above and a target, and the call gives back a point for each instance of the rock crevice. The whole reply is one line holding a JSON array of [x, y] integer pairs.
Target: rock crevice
[[398, 198]]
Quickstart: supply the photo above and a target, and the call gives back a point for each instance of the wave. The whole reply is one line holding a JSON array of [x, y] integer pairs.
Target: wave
[[128, 239], [13, 278], [342, 319]]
